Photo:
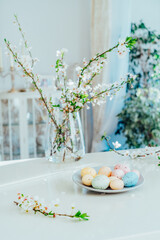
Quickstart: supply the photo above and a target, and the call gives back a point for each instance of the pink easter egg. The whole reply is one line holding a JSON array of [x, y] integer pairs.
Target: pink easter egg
[[137, 172], [125, 168], [118, 173]]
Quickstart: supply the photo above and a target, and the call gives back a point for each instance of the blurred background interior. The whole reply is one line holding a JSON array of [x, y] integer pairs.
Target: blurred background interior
[[84, 27]]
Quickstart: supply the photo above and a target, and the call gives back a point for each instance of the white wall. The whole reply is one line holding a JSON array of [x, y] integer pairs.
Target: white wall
[[148, 11], [53, 24], [49, 25]]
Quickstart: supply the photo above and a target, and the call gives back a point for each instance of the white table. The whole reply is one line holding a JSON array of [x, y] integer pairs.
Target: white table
[[131, 215]]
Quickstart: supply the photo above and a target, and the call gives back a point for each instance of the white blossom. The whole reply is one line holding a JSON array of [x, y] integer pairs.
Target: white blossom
[[79, 104], [85, 62], [58, 53], [133, 155], [122, 49], [127, 153], [78, 69], [116, 144], [26, 61]]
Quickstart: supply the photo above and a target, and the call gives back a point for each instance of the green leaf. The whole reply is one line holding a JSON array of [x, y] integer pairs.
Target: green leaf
[[103, 55], [103, 137], [50, 213], [128, 39], [56, 105], [84, 215], [77, 214]]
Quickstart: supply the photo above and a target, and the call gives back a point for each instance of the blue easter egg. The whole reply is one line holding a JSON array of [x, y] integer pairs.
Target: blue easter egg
[[130, 179]]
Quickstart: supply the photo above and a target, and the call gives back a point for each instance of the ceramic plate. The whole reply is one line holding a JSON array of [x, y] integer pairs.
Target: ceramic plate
[[78, 180]]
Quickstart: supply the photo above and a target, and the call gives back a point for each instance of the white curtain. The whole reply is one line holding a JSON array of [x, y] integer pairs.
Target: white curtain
[[99, 42], [110, 22]]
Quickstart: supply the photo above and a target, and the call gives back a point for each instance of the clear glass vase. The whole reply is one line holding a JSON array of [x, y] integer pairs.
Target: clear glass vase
[[65, 144]]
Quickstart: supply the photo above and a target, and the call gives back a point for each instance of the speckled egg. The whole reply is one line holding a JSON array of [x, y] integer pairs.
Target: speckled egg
[[88, 170], [118, 173], [124, 167], [112, 178], [100, 182], [130, 179], [117, 184], [87, 180], [105, 171], [137, 172]]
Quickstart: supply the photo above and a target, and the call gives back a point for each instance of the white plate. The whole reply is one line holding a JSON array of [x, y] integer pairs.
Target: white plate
[[78, 180]]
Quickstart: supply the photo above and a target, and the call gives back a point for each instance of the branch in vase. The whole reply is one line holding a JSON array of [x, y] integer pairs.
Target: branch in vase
[[32, 76], [111, 89], [94, 59], [23, 37], [122, 47]]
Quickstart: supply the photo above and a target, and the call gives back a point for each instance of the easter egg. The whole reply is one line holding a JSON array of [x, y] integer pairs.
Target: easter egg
[[137, 172], [88, 170], [118, 173], [130, 179], [87, 180], [124, 167], [117, 184], [100, 182], [112, 178], [105, 171]]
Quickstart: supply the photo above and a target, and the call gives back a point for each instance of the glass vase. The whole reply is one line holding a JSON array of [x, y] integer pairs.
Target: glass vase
[[65, 143]]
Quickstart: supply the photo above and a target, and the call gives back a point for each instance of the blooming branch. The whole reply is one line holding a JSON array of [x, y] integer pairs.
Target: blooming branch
[[122, 46], [74, 94], [25, 41], [148, 151], [29, 204], [34, 78]]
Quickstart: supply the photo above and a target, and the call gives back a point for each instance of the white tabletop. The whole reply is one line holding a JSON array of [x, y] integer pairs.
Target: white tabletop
[[130, 215]]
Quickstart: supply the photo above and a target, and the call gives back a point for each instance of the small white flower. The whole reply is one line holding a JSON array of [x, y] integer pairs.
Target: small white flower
[[122, 49], [73, 205], [58, 53], [26, 61], [78, 69], [79, 104], [147, 148], [133, 155], [126, 153], [84, 61], [130, 75], [116, 144]]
